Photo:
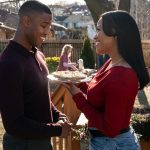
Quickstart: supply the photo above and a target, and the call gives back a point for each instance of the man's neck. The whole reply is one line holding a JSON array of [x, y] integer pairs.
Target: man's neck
[[19, 38]]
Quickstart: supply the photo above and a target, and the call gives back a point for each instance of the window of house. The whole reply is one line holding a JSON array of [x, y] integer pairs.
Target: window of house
[[75, 25], [66, 24]]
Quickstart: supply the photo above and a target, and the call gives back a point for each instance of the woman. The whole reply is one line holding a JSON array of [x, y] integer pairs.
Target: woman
[[65, 62], [110, 95]]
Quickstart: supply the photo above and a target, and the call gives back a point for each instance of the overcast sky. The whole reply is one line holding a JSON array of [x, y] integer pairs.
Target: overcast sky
[[55, 1], [66, 1]]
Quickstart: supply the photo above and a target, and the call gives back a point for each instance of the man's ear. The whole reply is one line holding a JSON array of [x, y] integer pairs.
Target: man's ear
[[26, 21]]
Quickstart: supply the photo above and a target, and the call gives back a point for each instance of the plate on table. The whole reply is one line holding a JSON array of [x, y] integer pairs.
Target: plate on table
[[68, 76], [89, 71]]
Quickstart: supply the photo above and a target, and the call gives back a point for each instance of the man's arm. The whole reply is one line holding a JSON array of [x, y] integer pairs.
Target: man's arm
[[58, 115], [12, 106]]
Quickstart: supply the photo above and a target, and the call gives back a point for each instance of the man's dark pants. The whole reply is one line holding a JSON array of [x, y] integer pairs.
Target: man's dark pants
[[14, 143]]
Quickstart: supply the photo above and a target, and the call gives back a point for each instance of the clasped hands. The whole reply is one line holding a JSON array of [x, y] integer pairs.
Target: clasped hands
[[66, 127], [64, 122]]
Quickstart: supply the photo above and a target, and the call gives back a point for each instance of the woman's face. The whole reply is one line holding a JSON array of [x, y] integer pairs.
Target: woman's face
[[103, 42]]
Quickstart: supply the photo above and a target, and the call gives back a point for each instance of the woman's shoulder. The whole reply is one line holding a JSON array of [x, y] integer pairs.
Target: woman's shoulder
[[64, 57], [122, 72], [64, 54], [121, 75]]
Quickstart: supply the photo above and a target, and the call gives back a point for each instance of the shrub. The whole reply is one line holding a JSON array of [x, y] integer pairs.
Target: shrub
[[52, 63], [141, 121], [87, 54], [81, 134]]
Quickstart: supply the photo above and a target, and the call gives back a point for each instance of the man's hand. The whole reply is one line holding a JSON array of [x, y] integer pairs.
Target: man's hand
[[66, 129], [63, 117]]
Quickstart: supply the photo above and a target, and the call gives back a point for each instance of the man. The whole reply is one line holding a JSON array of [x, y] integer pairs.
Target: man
[[28, 115]]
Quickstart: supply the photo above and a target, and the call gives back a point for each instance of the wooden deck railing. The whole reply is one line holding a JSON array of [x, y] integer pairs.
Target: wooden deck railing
[[62, 99]]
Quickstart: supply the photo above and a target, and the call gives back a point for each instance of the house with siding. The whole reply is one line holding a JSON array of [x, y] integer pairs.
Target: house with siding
[[9, 21], [6, 32]]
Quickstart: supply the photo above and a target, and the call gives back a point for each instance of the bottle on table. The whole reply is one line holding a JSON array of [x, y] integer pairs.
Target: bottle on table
[[81, 64]]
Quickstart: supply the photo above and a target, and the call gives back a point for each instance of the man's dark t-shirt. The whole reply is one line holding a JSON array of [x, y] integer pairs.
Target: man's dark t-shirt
[[25, 104]]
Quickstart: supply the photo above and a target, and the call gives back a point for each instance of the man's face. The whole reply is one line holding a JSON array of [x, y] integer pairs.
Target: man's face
[[38, 28]]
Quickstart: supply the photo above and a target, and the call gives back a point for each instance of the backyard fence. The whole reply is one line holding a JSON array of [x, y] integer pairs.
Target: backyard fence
[[53, 48]]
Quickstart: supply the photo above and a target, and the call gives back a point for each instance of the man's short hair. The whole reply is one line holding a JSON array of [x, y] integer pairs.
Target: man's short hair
[[33, 6]]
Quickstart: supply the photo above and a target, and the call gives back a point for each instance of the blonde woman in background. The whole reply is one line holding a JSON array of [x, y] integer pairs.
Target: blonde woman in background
[[65, 62]]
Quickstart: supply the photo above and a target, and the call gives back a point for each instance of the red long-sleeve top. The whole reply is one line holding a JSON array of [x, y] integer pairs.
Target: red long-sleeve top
[[110, 99]]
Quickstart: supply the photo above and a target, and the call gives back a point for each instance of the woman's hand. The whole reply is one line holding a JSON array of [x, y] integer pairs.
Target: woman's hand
[[72, 88]]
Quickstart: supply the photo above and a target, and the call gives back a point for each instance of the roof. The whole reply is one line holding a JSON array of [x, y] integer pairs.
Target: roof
[[8, 18], [58, 27], [9, 21], [60, 18], [2, 26], [78, 18]]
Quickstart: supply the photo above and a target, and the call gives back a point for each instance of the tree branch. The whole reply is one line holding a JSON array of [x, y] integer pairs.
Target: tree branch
[[124, 5], [97, 7]]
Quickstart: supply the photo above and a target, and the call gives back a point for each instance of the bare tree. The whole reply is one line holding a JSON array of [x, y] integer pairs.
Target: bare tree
[[124, 5], [140, 10], [11, 5], [97, 7]]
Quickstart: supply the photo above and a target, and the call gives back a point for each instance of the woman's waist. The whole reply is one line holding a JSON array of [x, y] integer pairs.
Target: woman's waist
[[96, 133]]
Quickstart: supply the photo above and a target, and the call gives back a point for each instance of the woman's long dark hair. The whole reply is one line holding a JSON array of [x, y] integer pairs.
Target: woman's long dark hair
[[123, 26]]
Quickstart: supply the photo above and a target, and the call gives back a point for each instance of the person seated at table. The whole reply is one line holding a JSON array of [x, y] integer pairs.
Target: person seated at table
[[65, 62]]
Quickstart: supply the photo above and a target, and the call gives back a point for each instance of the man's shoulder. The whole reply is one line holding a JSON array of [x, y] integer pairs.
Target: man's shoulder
[[10, 59]]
